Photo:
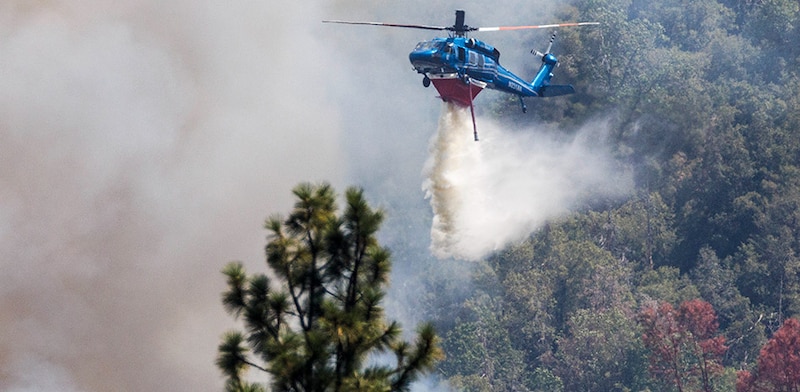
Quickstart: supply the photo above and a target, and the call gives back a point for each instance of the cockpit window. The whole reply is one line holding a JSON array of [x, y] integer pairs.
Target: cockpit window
[[427, 45]]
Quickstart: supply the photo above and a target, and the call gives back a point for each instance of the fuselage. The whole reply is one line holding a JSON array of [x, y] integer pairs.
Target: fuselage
[[468, 57]]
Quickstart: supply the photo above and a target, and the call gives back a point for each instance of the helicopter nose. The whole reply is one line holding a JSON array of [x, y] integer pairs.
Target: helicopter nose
[[423, 60], [421, 54]]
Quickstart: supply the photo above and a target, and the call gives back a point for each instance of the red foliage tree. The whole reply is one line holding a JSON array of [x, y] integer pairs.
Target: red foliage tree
[[778, 368], [664, 339], [745, 382], [700, 320], [682, 343]]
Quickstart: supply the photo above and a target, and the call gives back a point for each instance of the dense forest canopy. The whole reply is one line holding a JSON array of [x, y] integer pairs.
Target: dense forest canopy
[[703, 255]]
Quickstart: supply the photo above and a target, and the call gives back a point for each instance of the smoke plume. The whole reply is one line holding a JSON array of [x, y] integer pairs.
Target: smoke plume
[[487, 194], [142, 144]]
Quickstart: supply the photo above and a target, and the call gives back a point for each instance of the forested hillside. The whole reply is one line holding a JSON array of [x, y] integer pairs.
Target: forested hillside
[[680, 285]]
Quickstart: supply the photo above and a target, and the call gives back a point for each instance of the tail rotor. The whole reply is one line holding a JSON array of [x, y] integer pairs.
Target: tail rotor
[[541, 83], [549, 46]]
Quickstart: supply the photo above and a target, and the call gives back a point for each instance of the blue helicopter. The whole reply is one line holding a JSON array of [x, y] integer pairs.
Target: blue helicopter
[[460, 67]]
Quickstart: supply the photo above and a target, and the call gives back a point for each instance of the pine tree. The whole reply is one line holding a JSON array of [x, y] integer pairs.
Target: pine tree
[[314, 327]]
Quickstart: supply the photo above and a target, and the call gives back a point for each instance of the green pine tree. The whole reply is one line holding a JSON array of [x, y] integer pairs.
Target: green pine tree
[[316, 325]]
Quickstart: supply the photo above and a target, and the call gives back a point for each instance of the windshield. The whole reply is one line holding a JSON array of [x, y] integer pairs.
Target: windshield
[[427, 45]]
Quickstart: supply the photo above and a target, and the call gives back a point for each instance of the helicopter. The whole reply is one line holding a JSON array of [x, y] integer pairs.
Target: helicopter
[[460, 67]]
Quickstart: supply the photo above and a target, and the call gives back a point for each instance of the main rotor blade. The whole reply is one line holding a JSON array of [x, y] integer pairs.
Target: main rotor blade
[[547, 26], [409, 26]]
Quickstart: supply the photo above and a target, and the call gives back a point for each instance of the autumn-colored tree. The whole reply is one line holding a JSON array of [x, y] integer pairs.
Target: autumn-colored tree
[[662, 336], [684, 350], [778, 363], [700, 321]]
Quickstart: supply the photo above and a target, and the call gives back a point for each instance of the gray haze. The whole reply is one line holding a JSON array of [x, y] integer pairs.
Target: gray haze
[[142, 145]]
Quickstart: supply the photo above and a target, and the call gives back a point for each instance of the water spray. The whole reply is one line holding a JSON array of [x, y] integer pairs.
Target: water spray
[[489, 194]]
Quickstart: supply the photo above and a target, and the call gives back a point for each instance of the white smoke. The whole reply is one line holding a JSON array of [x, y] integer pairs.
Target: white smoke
[[142, 144], [36, 374], [487, 194]]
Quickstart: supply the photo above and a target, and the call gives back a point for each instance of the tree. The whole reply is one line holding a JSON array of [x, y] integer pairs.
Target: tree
[[481, 356], [716, 282], [666, 284], [778, 363], [313, 327], [603, 352], [684, 347]]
